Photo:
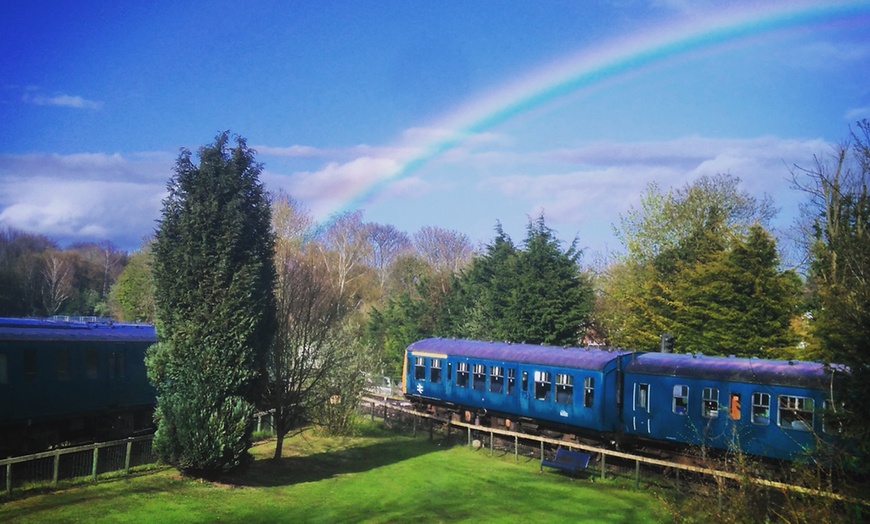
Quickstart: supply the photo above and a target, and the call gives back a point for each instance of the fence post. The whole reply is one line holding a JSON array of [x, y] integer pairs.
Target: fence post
[[9, 479], [517, 448], [542, 450], [127, 458], [491, 443], [56, 469], [603, 464], [94, 465], [636, 474]]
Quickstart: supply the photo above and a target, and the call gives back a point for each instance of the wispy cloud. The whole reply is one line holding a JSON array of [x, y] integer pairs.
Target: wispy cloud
[[91, 196], [324, 190], [858, 113], [332, 153], [608, 178], [60, 100]]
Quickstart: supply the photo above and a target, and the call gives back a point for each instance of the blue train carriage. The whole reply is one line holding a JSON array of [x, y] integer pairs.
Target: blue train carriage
[[567, 387], [62, 378], [768, 408]]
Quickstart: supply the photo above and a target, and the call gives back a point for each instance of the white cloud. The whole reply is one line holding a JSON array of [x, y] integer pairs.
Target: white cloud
[[606, 179], [328, 188], [60, 100], [75, 210], [84, 197], [92, 196]]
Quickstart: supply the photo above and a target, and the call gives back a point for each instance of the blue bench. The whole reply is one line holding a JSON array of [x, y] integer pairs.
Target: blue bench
[[569, 461]]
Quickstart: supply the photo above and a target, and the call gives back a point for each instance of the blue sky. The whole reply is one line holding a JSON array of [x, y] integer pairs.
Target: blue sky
[[454, 114]]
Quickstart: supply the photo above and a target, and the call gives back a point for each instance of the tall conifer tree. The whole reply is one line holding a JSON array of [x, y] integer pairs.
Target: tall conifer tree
[[214, 281]]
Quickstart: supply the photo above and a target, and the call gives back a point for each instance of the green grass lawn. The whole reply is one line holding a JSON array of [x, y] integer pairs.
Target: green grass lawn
[[376, 477]]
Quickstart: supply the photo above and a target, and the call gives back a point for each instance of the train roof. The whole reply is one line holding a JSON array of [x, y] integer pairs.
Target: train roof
[[574, 357], [74, 330], [733, 369]]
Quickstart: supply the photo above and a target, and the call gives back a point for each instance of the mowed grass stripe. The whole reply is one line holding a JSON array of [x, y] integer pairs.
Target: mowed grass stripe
[[379, 477]]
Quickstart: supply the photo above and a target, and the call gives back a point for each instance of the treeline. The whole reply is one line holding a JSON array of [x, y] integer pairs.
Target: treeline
[[38, 278]]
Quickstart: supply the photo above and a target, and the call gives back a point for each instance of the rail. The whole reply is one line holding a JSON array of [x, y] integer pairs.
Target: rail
[[136, 449], [603, 453]]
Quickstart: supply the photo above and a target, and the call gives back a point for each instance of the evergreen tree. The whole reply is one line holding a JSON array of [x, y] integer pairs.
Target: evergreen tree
[[214, 279], [535, 295], [552, 300], [735, 300], [700, 265], [485, 294]]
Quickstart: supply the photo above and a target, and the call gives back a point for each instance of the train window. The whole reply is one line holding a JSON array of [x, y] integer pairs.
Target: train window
[[525, 380], [761, 408], [681, 399], [419, 368], [62, 358], [564, 388], [735, 406], [92, 368], [542, 385], [479, 379], [462, 374], [4, 369], [496, 379], [449, 371], [710, 403], [795, 413], [511, 380], [435, 370], [588, 391], [30, 367], [641, 396]]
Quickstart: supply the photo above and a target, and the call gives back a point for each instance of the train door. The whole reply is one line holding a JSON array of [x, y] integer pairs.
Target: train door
[[524, 391], [448, 382], [640, 405]]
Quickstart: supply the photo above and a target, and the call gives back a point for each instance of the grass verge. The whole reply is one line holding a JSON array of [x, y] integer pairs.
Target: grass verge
[[374, 477]]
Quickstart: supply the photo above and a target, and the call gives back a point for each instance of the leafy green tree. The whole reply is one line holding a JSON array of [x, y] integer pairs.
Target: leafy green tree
[[839, 210], [736, 300], [214, 279], [701, 265], [132, 297], [21, 278]]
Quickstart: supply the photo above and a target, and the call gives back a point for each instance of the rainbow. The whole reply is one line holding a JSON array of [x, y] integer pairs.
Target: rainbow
[[610, 61]]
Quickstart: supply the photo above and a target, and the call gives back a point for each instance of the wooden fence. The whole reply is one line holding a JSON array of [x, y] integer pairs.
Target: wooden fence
[[605, 453], [86, 461]]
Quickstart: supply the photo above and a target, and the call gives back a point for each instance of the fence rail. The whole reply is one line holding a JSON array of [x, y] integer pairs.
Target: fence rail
[[604, 453], [90, 460]]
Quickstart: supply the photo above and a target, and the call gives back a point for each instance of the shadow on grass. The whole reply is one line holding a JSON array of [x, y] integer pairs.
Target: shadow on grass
[[287, 471]]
